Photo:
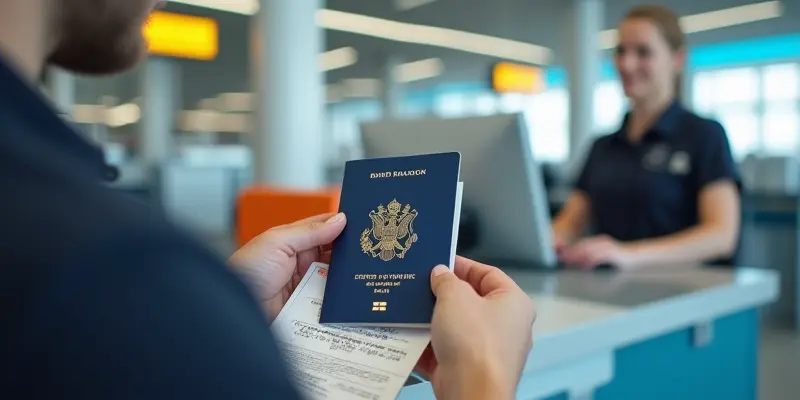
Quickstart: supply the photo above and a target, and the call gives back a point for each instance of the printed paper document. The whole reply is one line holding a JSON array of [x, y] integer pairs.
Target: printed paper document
[[337, 362]]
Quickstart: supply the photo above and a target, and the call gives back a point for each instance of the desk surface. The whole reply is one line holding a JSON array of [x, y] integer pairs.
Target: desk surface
[[616, 309], [586, 313]]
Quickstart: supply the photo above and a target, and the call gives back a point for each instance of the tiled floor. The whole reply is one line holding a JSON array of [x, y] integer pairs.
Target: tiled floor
[[779, 369]]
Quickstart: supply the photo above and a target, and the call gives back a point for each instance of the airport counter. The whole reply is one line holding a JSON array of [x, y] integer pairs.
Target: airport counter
[[683, 333]]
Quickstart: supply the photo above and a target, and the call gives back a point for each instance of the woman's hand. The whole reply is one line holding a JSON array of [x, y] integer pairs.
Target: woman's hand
[[275, 261], [591, 252]]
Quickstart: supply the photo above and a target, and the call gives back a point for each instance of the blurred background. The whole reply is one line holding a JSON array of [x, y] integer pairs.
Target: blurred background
[[183, 128]]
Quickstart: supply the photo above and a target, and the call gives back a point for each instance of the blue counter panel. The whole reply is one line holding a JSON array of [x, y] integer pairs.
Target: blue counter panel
[[671, 368]]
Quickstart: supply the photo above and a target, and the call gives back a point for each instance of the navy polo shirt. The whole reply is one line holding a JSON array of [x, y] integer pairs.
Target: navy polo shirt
[[650, 188], [100, 297]]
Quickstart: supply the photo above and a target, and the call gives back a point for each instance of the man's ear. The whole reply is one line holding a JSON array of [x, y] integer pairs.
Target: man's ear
[[679, 59]]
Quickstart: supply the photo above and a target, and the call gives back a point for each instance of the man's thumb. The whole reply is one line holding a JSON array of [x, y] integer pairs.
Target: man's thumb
[[308, 236], [441, 278]]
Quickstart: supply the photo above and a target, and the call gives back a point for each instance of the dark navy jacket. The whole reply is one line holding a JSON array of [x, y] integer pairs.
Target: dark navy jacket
[[100, 297], [650, 188]]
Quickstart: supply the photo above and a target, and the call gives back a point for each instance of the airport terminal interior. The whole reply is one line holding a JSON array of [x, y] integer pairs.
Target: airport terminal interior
[[246, 111]]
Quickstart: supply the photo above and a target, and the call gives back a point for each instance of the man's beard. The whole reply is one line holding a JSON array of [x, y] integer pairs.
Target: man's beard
[[99, 47]]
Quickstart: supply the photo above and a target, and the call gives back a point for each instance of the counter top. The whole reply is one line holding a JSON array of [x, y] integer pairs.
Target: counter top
[[581, 314], [616, 309]]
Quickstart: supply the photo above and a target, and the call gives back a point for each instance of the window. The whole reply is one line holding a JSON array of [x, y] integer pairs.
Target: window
[[451, 105], [740, 126], [486, 104], [781, 129], [781, 82], [512, 102], [703, 92], [413, 109], [609, 107], [735, 97], [548, 122]]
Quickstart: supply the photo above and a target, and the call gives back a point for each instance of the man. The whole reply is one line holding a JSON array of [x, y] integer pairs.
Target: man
[[101, 298]]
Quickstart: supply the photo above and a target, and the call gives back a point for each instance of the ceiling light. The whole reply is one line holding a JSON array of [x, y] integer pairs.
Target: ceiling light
[[247, 7], [731, 16], [234, 102], [607, 39], [405, 5], [434, 36], [403, 32], [233, 123], [363, 87], [334, 93], [208, 104], [339, 58], [198, 120], [88, 113], [712, 20], [419, 70], [122, 115], [484, 44]]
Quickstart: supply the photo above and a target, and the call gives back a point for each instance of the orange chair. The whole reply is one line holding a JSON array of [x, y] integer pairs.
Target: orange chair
[[262, 208]]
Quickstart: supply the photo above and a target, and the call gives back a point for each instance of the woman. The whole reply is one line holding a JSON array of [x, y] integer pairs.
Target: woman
[[664, 188]]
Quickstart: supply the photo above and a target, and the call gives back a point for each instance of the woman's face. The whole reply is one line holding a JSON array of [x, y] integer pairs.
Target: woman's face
[[646, 64]]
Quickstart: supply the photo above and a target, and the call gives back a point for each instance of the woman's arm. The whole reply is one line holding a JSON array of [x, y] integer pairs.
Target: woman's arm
[[571, 221], [715, 236]]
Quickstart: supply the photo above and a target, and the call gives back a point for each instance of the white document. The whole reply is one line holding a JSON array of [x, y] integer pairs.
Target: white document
[[342, 363]]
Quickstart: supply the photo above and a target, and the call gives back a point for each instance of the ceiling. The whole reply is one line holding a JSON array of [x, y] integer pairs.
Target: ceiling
[[540, 22]]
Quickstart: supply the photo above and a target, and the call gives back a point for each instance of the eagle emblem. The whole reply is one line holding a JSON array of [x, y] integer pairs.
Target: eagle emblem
[[390, 227]]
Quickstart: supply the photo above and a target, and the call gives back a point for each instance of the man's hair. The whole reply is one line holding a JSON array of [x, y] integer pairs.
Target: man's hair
[[99, 36]]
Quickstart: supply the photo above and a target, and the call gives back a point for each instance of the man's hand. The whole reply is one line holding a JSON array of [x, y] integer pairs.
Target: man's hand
[[594, 251], [276, 261], [480, 333]]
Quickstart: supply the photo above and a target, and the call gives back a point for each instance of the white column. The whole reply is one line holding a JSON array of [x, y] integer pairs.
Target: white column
[[289, 92], [583, 69], [392, 89], [61, 87], [159, 83]]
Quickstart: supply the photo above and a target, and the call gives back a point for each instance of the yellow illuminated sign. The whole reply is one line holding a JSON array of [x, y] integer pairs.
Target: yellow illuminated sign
[[182, 36], [517, 78]]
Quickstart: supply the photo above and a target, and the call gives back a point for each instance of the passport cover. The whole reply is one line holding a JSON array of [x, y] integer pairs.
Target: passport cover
[[402, 217]]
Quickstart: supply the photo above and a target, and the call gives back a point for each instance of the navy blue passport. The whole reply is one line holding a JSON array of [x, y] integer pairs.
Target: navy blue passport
[[402, 220]]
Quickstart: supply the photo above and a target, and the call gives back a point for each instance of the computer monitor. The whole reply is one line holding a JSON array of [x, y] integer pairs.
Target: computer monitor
[[503, 184]]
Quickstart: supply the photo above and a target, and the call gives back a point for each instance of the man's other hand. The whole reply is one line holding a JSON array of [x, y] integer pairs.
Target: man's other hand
[[275, 261], [480, 333]]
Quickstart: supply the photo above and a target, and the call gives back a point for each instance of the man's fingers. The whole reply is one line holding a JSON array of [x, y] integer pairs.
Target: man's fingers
[[302, 237], [483, 278], [325, 257], [464, 268], [312, 219], [443, 281]]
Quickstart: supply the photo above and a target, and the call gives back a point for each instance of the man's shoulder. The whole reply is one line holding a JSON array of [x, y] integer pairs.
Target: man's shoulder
[[100, 283], [46, 219]]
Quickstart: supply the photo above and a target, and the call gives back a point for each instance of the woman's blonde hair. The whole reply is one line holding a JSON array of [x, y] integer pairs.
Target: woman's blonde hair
[[669, 25]]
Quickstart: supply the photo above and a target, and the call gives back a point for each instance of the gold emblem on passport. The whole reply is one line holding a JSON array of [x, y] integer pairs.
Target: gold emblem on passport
[[378, 306], [393, 230]]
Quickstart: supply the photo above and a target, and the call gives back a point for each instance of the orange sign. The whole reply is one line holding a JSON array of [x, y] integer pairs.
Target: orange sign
[[517, 78], [182, 36]]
